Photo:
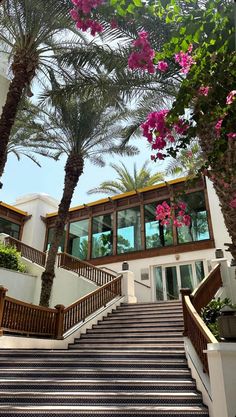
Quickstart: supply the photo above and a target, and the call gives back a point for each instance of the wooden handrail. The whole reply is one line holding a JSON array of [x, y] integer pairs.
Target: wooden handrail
[[141, 283], [194, 327], [207, 288], [27, 251], [88, 304], [84, 269], [19, 317]]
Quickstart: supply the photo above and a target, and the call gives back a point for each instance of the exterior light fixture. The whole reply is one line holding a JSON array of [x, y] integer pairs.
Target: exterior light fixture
[[125, 266]]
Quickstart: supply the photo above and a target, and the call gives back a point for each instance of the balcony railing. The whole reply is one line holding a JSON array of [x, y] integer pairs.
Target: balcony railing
[[194, 327], [34, 255], [97, 275]]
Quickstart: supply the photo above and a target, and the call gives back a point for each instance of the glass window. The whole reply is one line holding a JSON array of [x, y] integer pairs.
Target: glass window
[[199, 271], [12, 229], [128, 230], [102, 236], [198, 229], [78, 239], [50, 237], [156, 234], [186, 276]]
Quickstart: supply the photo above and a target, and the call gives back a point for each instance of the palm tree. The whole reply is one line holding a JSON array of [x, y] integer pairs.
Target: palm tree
[[82, 130], [127, 181], [31, 33], [188, 162]]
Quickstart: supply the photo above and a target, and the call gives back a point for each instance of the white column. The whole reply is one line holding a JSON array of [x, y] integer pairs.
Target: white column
[[222, 372], [128, 289], [228, 274]]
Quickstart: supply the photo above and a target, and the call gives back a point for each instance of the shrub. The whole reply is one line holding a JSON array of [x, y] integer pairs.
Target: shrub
[[211, 312], [10, 259]]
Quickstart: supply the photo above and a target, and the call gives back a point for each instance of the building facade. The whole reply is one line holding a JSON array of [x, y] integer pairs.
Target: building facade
[[123, 228]]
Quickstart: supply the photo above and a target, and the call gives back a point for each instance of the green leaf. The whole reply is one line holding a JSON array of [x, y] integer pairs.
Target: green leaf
[[138, 3]]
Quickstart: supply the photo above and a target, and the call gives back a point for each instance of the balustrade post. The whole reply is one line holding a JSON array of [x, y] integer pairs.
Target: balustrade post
[[2, 301], [59, 327], [185, 291]]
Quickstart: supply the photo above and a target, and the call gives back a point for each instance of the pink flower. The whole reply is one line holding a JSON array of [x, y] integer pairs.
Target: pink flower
[[218, 126], [233, 203], [231, 135], [230, 97], [203, 91], [162, 66], [185, 60], [74, 14], [142, 57], [189, 154]]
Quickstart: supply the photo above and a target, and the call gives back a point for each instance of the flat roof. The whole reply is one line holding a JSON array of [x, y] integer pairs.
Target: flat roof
[[123, 195], [15, 209]]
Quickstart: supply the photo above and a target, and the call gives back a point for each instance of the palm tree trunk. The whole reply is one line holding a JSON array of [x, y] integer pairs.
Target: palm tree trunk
[[21, 79], [73, 170]]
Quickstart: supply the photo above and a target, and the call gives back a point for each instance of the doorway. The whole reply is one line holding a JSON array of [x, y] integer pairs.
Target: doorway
[[170, 278]]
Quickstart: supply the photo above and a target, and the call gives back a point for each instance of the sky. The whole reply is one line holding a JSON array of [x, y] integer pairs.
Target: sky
[[25, 177]]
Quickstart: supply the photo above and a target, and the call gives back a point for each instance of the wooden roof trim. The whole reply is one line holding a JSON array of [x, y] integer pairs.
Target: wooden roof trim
[[123, 195], [24, 213]]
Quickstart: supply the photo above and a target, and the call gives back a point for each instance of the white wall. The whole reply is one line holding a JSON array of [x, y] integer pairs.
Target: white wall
[[67, 286], [20, 286], [138, 265], [222, 368], [36, 205], [4, 82], [221, 235]]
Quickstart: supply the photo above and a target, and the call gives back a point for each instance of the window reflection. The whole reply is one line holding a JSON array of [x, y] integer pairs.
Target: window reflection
[[12, 229], [128, 230], [198, 229], [102, 236], [78, 239], [156, 234]]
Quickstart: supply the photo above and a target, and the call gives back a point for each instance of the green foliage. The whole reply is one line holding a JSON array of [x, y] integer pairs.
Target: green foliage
[[10, 259], [211, 312]]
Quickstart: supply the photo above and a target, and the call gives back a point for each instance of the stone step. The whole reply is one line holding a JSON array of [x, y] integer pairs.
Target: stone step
[[99, 333], [150, 310], [104, 364], [129, 340], [101, 398], [164, 314], [135, 347], [95, 384], [141, 326], [85, 373], [93, 411], [93, 354], [124, 320]]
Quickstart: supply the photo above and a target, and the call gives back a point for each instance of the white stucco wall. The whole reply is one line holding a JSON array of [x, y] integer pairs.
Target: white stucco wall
[[222, 368], [138, 265], [221, 235], [67, 286], [36, 205], [4, 82], [20, 286]]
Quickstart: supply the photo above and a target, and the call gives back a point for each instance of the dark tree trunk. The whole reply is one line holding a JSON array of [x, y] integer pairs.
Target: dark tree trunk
[[22, 78], [222, 174], [73, 170]]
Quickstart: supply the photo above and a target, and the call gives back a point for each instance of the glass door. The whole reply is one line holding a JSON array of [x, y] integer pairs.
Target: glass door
[[169, 279], [172, 284]]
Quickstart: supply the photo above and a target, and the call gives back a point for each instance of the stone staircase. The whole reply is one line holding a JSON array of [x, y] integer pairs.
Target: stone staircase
[[132, 363]]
